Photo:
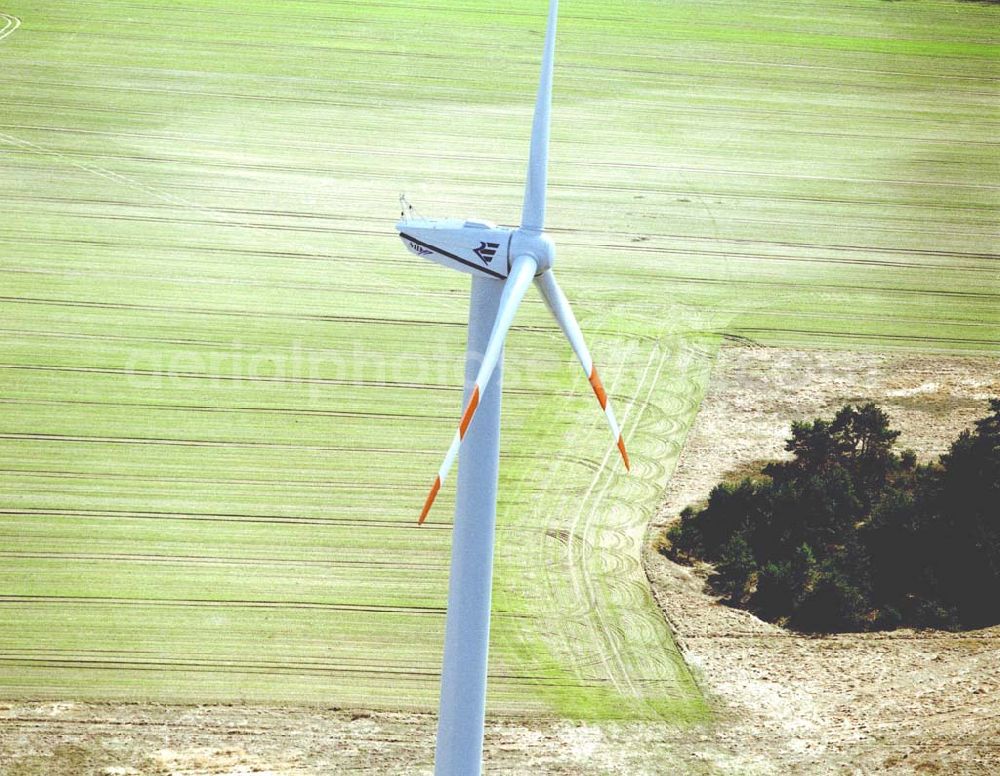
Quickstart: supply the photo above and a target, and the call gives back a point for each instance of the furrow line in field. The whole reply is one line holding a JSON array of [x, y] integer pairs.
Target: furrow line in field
[[88, 439], [580, 73], [329, 522], [387, 384], [658, 55], [367, 321], [834, 247], [915, 226], [221, 667], [630, 248], [450, 94], [377, 221], [234, 282], [537, 363], [6, 599], [898, 290], [245, 445], [481, 178], [375, 670], [772, 130], [725, 254], [71, 156], [354, 258], [409, 153], [186, 653], [349, 485], [658, 277], [218, 560], [227, 410]]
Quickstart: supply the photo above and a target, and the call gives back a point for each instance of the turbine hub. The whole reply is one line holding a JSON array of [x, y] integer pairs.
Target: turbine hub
[[538, 245]]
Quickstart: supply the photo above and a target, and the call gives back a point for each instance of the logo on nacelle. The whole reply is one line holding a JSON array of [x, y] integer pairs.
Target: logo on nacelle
[[486, 251], [420, 250]]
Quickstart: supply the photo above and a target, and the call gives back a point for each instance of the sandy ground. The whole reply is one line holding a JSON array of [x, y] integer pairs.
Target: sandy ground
[[903, 702], [79, 739]]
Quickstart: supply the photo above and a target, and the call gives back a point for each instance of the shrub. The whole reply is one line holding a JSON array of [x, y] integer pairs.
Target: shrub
[[850, 535]]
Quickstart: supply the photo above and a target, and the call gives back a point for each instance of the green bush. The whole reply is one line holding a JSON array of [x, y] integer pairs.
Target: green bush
[[850, 535]]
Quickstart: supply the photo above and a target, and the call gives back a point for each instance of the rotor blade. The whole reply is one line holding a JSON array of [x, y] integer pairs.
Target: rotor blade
[[558, 304], [533, 215], [518, 280]]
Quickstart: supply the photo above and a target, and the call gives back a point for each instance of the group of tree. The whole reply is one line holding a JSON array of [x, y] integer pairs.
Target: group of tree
[[850, 535]]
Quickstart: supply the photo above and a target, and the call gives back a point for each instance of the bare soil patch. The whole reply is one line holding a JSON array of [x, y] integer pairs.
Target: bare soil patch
[[81, 739], [899, 702]]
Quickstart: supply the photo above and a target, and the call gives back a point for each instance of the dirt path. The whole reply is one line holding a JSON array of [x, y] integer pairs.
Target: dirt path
[[902, 702]]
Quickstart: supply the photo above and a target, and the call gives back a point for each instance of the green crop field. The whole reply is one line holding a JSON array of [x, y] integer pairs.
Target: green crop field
[[226, 386]]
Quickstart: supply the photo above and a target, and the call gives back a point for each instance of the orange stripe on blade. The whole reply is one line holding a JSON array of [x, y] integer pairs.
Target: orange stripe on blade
[[595, 381], [621, 448], [469, 412], [430, 500]]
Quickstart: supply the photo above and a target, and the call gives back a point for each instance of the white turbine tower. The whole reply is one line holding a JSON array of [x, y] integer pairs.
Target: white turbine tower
[[502, 261]]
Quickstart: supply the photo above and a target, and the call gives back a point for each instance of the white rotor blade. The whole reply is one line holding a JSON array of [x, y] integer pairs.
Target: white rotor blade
[[518, 280], [558, 304], [533, 215]]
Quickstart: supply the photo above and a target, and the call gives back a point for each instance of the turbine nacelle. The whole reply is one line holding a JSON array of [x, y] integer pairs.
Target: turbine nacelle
[[473, 246]]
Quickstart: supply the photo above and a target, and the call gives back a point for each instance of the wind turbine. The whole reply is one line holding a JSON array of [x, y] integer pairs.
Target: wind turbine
[[503, 262]]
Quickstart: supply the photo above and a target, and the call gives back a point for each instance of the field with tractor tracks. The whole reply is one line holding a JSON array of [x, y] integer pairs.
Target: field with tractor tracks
[[225, 386]]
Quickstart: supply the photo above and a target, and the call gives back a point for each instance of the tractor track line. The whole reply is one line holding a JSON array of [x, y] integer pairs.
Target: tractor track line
[[211, 603], [479, 159], [917, 226], [324, 522], [334, 169], [218, 560]]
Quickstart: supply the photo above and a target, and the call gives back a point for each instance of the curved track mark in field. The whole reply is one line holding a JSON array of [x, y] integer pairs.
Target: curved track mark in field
[[613, 658], [632, 590], [598, 622], [11, 23]]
